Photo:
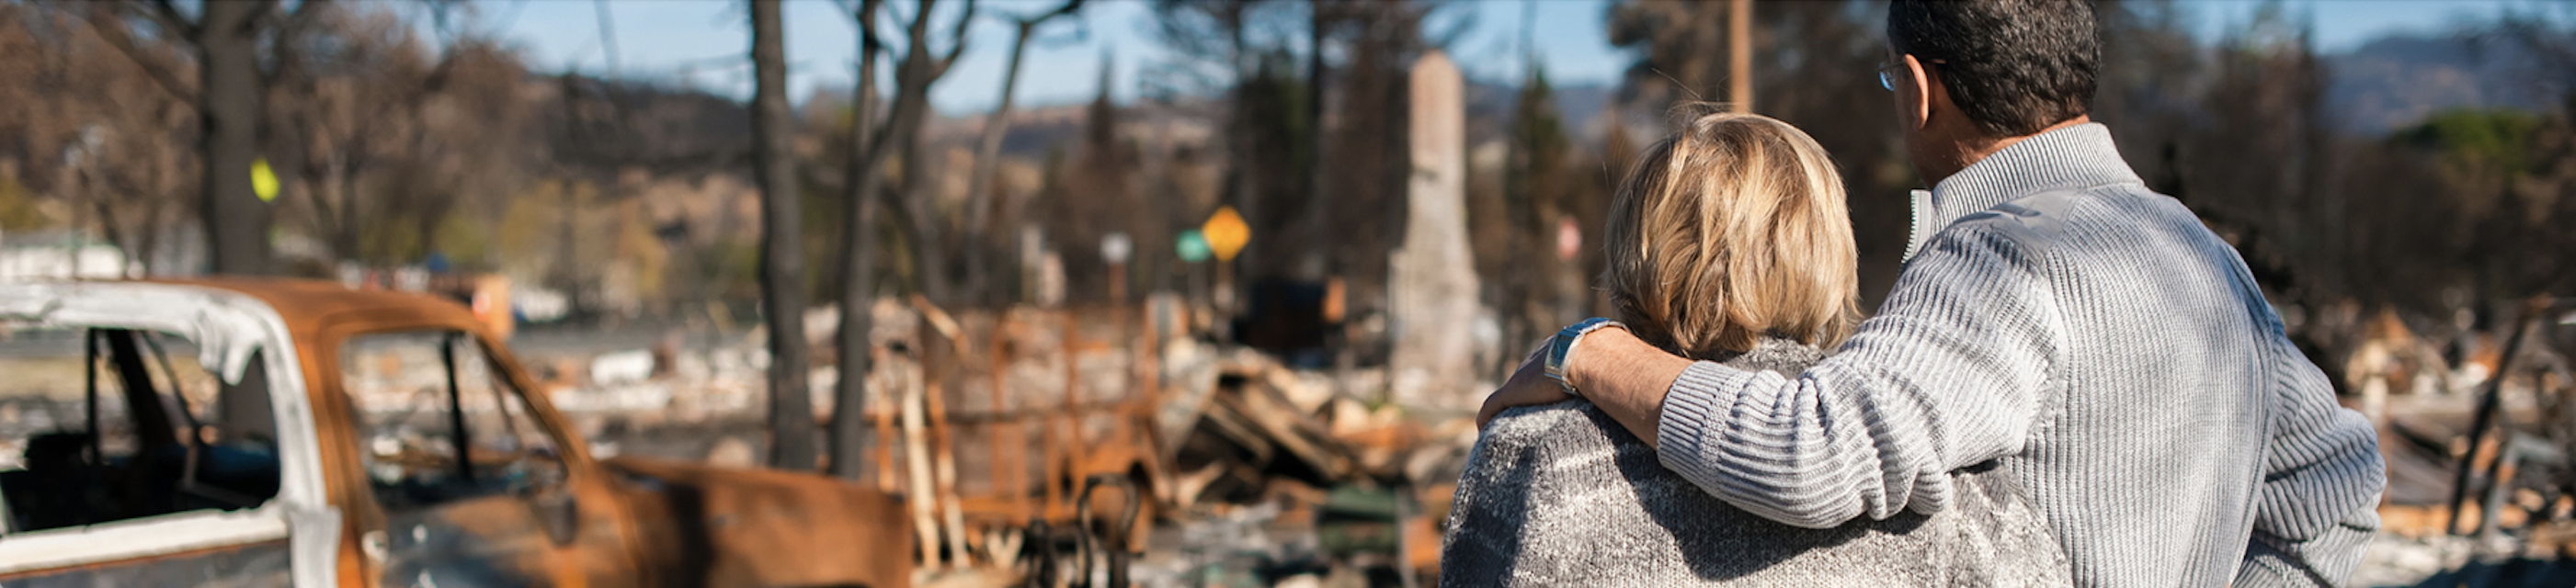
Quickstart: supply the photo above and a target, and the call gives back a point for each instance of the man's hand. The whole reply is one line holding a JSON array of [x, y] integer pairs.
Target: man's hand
[[1619, 373], [1528, 386]]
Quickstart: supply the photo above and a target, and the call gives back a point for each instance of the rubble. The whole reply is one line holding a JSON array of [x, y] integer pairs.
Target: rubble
[[2477, 456], [1003, 418], [1240, 456]]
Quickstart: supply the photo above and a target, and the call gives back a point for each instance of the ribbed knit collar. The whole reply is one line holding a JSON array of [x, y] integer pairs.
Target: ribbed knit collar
[[2077, 156], [1777, 354]]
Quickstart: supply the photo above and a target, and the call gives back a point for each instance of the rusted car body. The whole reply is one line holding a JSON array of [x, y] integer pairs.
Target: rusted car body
[[555, 517]]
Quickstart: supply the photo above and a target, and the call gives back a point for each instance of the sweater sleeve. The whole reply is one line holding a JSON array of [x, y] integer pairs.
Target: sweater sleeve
[[2318, 504], [1952, 372]]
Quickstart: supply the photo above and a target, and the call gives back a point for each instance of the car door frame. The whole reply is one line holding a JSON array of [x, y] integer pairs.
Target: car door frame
[[592, 491], [230, 330]]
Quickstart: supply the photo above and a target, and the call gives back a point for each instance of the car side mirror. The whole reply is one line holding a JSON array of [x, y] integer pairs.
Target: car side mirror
[[559, 514]]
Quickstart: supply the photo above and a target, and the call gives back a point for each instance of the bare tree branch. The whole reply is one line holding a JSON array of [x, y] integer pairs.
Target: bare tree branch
[[291, 21], [259, 13], [291, 26], [907, 77], [438, 75], [896, 11], [956, 39], [110, 23], [988, 155], [917, 29], [869, 44], [1069, 7], [306, 10], [913, 233], [166, 14]]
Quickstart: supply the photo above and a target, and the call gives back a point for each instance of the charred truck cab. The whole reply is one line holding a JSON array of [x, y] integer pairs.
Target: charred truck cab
[[272, 432]]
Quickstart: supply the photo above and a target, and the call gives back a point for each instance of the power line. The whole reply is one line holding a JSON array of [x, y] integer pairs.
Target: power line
[[607, 36]]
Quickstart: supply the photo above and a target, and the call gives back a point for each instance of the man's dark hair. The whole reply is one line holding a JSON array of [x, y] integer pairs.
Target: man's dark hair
[[2014, 66]]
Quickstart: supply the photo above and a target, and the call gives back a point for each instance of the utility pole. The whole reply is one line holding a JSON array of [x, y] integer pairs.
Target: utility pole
[[1739, 41]]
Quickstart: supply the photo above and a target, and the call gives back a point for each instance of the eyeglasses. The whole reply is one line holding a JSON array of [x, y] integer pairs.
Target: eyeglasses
[[1887, 78]]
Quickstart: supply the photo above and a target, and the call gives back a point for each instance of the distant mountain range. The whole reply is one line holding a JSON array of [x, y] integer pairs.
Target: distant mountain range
[[2395, 82], [1489, 109], [2384, 85]]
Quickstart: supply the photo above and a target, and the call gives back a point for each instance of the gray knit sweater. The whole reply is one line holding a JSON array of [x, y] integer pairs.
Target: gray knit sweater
[[1561, 495], [2093, 335]]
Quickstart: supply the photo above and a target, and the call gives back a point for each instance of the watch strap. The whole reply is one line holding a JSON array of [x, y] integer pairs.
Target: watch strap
[[1561, 348]]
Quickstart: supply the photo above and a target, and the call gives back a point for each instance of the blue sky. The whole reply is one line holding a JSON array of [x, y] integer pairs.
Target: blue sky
[[703, 41]]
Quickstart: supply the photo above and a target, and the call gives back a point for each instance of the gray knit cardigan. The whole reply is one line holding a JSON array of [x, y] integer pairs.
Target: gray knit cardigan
[[1561, 495]]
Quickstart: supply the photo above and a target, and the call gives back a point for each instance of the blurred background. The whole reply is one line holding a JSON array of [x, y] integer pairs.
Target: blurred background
[[1243, 185]]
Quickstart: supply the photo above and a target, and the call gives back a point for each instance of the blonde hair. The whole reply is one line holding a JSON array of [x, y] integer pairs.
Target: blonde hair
[[1732, 228]]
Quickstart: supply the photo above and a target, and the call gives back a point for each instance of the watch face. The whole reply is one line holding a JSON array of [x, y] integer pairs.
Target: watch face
[[1562, 345], [1555, 356]]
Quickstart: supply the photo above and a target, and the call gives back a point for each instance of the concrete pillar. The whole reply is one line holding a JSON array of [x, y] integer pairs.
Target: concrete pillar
[[1432, 285]]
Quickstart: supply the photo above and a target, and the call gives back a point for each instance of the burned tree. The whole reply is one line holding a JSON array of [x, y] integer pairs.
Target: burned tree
[[858, 256], [782, 260], [89, 128], [988, 154], [355, 111], [863, 180], [918, 70], [224, 38]]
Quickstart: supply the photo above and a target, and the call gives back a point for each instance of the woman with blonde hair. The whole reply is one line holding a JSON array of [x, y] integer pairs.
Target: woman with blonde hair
[[1728, 241]]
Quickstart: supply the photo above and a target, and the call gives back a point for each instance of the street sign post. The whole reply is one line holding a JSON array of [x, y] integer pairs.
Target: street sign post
[[1226, 235], [1115, 247]]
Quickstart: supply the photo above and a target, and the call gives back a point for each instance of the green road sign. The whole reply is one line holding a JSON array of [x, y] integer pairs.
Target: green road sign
[[1191, 246]]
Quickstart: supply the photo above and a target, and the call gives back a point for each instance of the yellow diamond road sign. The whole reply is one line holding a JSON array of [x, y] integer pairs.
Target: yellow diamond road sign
[[1226, 233]]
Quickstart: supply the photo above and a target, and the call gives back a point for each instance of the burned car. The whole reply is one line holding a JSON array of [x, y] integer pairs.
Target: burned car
[[251, 432]]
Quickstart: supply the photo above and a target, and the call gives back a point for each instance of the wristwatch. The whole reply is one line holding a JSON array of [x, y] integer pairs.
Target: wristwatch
[[1561, 348]]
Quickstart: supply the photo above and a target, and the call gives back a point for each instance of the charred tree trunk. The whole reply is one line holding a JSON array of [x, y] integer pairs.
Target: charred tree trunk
[[863, 186], [979, 187], [988, 159], [236, 220], [347, 181], [1318, 230], [782, 260], [930, 262], [858, 257], [913, 78]]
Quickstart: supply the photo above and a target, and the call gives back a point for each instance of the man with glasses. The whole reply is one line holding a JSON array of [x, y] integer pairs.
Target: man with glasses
[[1887, 73], [2053, 313]]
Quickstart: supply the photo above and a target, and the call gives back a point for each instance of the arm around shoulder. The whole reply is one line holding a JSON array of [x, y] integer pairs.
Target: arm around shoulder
[[1952, 372], [1625, 377]]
